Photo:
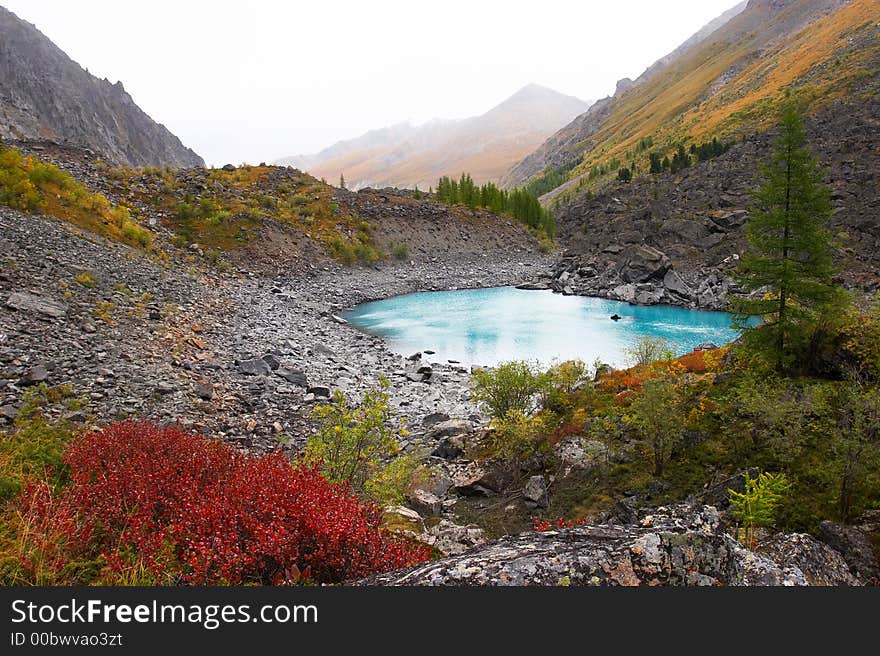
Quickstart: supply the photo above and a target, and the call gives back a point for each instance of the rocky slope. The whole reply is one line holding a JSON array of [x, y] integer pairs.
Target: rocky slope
[[675, 238], [44, 95], [485, 146], [232, 345]]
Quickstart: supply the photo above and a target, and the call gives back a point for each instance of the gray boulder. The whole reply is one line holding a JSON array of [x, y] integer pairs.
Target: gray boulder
[[255, 367], [31, 303], [535, 492], [34, 376], [453, 539], [294, 376], [820, 564], [449, 428], [641, 263]]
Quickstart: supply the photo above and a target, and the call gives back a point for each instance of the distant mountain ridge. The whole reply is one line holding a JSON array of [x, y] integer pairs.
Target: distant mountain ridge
[[563, 145], [725, 82], [44, 95], [486, 146]]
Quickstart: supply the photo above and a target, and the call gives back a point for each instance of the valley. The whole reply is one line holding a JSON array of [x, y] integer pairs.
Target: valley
[[193, 320]]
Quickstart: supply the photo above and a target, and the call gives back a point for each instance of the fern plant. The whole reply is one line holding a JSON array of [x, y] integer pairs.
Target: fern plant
[[756, 506]]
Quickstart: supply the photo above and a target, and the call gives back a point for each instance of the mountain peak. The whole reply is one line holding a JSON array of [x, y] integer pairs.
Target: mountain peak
[[45, 95], [533, 92], [484, 146]]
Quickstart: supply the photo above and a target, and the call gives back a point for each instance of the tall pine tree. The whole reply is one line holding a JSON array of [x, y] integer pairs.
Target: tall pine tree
[[790, 255]]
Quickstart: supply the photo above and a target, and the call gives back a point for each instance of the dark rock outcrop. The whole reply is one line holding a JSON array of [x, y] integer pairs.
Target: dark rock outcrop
[[660, 551], [45, 96], [855, 547], [679, 545]]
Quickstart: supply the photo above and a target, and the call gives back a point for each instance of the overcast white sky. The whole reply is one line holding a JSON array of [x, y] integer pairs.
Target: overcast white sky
[[255, 80]]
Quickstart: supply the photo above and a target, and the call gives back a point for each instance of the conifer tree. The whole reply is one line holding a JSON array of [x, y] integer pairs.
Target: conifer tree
[[341, 181], [790, 255]]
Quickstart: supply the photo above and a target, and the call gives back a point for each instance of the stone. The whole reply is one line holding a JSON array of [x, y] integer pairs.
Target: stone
[[820, 564], [319, 391], [338, 319], [728, 221], [8, 412], [481, 480], [434, 418], [449, 448], [424, 502], [30, 303], [294, 376], [34, 376], [449, 428], [625, 293], [204, 390], [271, 360], [534, 286], [254, 367], [403, 519], [641, 263], [853, 545], [165, 388], [453, 539], [579, 452], [676, 285], [535, 491]]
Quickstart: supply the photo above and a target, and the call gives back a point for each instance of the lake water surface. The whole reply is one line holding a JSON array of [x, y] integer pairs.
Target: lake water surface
[[488, 326]]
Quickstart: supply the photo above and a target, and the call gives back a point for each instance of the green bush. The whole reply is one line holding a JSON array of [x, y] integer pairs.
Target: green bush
[[32, 448], [559, 383], [517, 437], [509, 386], [353, 251], [655, 418], [355, 444], [648, 350], [400, 251]]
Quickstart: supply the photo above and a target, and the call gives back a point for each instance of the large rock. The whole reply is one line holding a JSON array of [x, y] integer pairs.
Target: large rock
[[535, 492], [418, 370], [579, 452], [477, 480], [30, 303], [641, 263], [820, 564], [34, 376], [679, 546], [855, 547], [676, 285], [452, 539], [255, 367], [449, 428], [424, 502], [294, 376]]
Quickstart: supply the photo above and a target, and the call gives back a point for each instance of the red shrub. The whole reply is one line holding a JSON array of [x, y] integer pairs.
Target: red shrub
[[195, 508], [542, 525]]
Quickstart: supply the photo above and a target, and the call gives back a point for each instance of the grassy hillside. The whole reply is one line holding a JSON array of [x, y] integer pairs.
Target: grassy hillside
[[731, 84], [28, 184]]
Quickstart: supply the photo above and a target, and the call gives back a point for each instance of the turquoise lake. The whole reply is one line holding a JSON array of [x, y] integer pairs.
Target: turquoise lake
[[488, 326]]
